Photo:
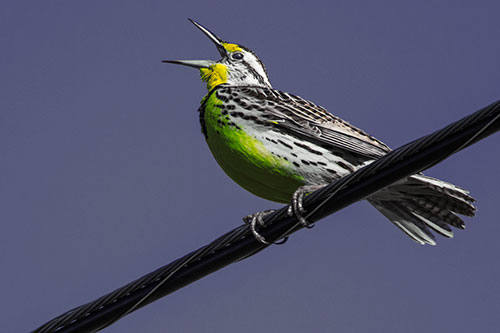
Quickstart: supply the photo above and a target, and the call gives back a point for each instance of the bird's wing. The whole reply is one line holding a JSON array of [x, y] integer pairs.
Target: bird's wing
[[311, 122]]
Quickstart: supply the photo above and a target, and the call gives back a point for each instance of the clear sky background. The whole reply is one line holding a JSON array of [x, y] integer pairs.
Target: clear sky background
[[105, 176]]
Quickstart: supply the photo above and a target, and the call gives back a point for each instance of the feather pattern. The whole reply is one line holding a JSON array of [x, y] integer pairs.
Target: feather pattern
[[332, 148]]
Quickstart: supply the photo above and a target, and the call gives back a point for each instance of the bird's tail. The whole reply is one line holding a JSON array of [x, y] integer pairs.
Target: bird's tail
[[419, 204]]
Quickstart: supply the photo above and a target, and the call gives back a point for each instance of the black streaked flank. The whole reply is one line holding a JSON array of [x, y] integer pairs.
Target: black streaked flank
[[308, 148], [271, 140], [333, 172], [250, 117], [345, 166], [237, 114], [286, 145]]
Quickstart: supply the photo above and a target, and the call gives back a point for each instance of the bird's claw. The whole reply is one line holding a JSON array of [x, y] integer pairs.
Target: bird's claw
[[258, 218], [297, 207]]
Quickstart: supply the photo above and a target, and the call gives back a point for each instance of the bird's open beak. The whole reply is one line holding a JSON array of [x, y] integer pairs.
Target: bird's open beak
[[202, 63], [191, 63]]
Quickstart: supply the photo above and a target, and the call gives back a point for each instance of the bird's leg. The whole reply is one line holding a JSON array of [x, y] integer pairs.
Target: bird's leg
[[257, 218], [296, 207]]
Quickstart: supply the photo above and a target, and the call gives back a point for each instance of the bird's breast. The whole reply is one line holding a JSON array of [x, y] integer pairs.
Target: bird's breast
[[233, 138]]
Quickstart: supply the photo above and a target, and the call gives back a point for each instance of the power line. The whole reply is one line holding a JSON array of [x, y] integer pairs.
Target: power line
[[240, 243]]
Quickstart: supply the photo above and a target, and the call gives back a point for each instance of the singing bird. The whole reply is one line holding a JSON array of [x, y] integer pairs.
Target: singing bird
[[280, 146]]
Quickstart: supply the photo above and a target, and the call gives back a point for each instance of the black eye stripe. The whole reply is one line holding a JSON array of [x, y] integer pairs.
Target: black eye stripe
[[253, 72]]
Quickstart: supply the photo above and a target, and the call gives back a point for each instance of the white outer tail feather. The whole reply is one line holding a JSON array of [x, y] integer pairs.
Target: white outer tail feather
[[419, 204]]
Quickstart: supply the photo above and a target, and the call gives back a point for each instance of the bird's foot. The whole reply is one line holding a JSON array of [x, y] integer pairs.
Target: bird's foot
[[296, 206], [258, 218]]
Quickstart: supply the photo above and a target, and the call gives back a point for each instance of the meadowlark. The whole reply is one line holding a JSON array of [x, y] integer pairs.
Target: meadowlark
[[280, 146]]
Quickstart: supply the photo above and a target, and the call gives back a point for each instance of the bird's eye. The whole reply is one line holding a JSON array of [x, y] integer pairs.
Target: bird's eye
[[237, 56]]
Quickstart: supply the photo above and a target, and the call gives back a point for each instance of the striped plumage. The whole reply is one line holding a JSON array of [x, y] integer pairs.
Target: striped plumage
[[271, 143], [308, 144]]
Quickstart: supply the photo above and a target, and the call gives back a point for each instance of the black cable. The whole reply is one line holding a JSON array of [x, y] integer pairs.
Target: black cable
[[240, 243]]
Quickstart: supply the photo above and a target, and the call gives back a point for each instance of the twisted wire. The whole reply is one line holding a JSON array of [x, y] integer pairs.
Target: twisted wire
[[239, 243]]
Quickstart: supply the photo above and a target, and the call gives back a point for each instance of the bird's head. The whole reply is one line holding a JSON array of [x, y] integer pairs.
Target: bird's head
[[238, 65]]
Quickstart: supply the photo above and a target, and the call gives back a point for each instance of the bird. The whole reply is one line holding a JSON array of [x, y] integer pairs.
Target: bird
[[281, 147]]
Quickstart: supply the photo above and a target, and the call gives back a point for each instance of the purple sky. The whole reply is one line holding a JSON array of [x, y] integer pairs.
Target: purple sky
[[105, 175]]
